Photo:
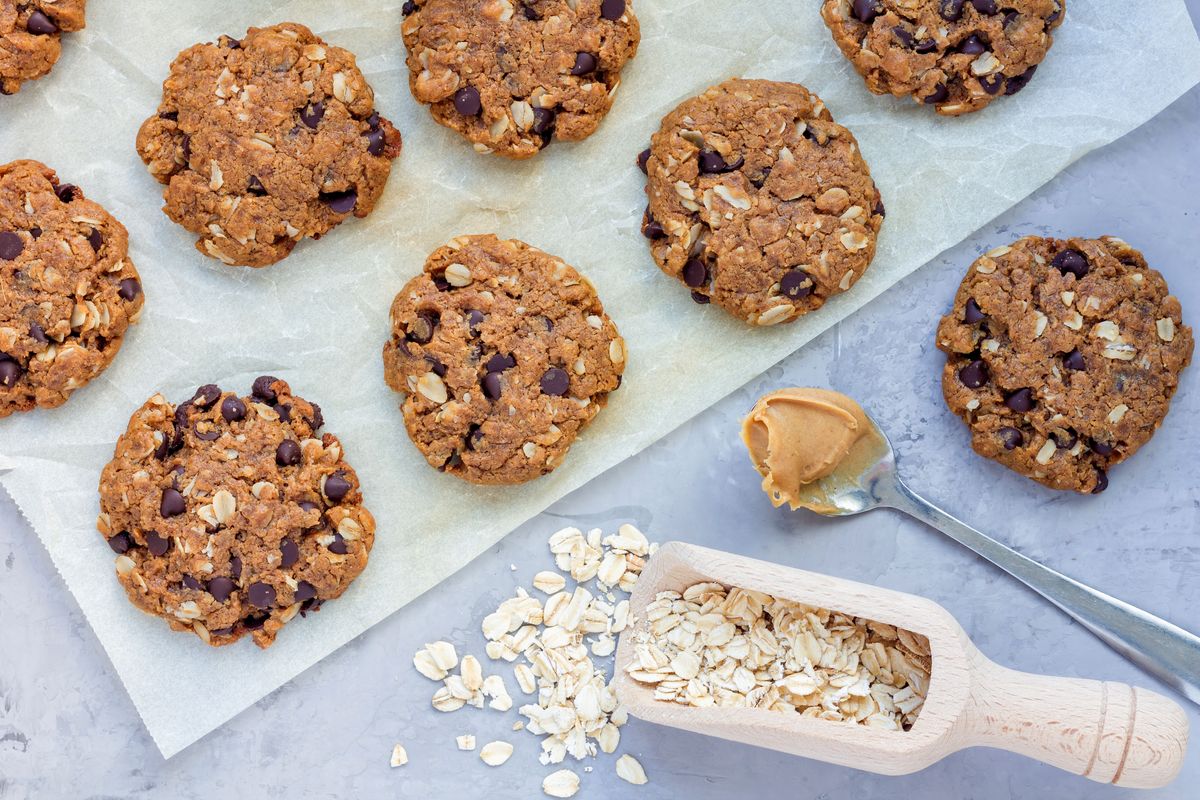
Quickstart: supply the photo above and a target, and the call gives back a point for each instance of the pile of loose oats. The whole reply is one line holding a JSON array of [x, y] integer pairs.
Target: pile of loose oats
[[713, 646], [571, 703]]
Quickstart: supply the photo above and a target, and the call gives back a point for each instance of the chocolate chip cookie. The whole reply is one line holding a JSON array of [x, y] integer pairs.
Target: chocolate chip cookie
[[759, 201], [264, 141], [229, 515], [1062, 356], [512, 76], [955, 55], [30, 31], [68, 290], [504, 353]]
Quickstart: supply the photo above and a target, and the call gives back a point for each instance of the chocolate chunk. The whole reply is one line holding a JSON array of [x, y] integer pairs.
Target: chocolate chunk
[[973, 314], [340, 202], [499, 363], [40, 25], [261, 595], [129, 289], [555, 381], [157, 545], [287, 454], [796, 283], [220, 588], [1011, 438], [467, 102], [584, 63], [336, 487], [1020, 401], [612, 10], [973, 375], [172, 503], [95, 240], [206, 395], [867, 10], [312, 114], [289, 553], [972, 46], [11, 245], [121, 542], [1018, 83], [493, 387], [233, 409], [304, 591], [642, 158], [695, 273], [254, 621], [338, 545], [10, 373], [262, 390], [1071, 261], [1074, 361]]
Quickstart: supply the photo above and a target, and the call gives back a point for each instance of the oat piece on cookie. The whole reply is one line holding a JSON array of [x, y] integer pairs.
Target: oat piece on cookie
[[229, 515], [68, 290], [30, 31], [504, 353], [512, 76], [1062, 357], [265, 141], [955, 55], [759, 201]]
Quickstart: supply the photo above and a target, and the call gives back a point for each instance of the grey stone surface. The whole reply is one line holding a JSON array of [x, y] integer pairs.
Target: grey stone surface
[[68, 730]]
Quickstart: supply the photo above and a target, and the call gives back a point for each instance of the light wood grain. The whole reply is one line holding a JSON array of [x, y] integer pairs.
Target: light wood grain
[[1107, 732]]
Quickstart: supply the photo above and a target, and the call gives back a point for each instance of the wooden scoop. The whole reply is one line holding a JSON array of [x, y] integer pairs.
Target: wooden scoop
[[1107, 732]]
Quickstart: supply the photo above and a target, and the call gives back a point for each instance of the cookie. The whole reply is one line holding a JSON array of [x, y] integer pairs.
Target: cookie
[[229, 515], [759, 201], [955, 55], [265, 141], [30, 31], [1062, 356], [512, 76], [504, 354], [68, 290]]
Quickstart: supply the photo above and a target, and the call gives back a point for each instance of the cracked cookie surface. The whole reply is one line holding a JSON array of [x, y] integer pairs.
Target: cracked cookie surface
[[759, 201], [955, 55], [30, 33], [1062, 357], [229, 515], [512, 76], [68, 290], [265, 141], [504, 354]]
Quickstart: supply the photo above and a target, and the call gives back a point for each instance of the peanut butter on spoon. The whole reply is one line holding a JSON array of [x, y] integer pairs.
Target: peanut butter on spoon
[[802, 440]]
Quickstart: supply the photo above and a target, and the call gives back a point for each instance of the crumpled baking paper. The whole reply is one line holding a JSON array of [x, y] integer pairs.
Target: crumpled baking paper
[[319, 319]]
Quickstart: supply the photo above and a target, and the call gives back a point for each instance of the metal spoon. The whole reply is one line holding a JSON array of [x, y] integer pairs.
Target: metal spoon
[[1164, 650]]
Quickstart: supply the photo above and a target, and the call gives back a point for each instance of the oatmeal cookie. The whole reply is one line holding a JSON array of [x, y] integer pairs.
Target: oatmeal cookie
[[504, 353], [30, 31], [264, 141], [955, 55], [759, 201], [229, 515], [68, 290], [1062, 357], [512, 76]]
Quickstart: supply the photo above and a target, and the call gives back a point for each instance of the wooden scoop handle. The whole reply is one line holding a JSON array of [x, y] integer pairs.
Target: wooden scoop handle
[[1108, 732]]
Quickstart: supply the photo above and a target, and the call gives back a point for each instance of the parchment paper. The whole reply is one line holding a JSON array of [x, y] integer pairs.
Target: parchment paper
[[319, 319]]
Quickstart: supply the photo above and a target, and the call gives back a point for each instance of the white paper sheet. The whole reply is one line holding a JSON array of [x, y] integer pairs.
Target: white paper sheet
[[319, 318]]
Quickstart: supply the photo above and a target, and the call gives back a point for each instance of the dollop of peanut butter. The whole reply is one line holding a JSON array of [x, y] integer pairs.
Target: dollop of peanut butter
[[796, 437]]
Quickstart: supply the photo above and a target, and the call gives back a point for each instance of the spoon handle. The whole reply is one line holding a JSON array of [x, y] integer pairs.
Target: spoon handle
[[1164, 650]]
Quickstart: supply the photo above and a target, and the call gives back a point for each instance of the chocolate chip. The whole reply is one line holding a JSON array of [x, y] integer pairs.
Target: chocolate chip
[[1071, 261], [695, 273], [973, 375], [987, 7], [700, 298], [440, 282], [474, 320], [925, 46], [1011, 438], [206, 436], [129, 289], [206, 395], [172, 504], [338, 545], [1065, 439], [304, 591], [796, 283], [11, 245], [1018, 83], [612, 10], [1020, 401], [972, 46], [289, 553], [157, 545], [66, 192], [952, 10], [904, 35], [642, 158], [867, 10], [499, 363], [121, 542], [543, 122], [10, 373], [973, 313], [492, 385], [992, 83], [95, 240], [235, 567], [262, 595], [287, 454], [37, 333], [531, 13], [255, 621], [233, 409], [191, 582], [474, 436], [652, 229], [408, 7], [340, 202], [312, 113], [336, 487], [317, 419], [1074, 361], [35, 232], [40, 25], [467, 102], [1101, 481], [939, 95], [436, 366], [711, 162], [584, 63], [420, 330], [262, 388], [1102, 448], [186, 147], [254, 186], [376, 139], [220, 588], [555, 381], [1054, 15], [1010, 17]]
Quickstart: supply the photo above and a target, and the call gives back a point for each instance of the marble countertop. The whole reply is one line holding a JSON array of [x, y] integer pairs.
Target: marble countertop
[[68, 730]]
